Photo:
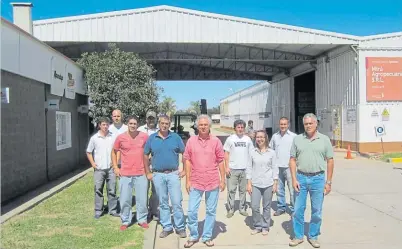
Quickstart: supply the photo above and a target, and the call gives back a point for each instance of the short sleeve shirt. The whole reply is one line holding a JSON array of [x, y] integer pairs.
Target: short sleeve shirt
[[311, 155], [239, 149], [132, 153], [101, 147]]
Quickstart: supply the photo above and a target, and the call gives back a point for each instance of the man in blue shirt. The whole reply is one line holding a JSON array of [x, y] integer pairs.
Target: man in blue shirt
[[164, 147]]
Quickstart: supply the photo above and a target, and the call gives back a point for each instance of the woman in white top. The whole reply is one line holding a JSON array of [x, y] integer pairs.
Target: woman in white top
[[262, 176]]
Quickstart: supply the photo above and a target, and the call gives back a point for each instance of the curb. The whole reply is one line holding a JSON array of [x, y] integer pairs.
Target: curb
[[24, 206], [395, 160], [150, 236]]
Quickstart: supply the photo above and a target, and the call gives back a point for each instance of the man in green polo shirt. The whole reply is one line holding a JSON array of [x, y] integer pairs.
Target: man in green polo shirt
[[310, 157]]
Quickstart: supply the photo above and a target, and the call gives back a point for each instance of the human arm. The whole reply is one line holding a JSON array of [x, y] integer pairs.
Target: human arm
[[90, 149], [147, 152], [182, 171], [220, 156], [226, 149], [292, 166], [187, 164], [330, 167], [115, 150], [275, 172]]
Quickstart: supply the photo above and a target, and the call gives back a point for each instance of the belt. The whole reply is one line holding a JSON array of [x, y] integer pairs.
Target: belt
[[165, 171], [310, 174]]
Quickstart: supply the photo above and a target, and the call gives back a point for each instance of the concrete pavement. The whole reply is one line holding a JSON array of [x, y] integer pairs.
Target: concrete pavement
[[364, 210]]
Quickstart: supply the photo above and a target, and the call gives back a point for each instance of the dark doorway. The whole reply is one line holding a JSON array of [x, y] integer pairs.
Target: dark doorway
[[304, 98]]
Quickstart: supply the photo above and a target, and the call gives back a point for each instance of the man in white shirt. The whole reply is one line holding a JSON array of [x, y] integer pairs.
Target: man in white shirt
[[237, 158], [117, 127], [281, 142], [101, 144], [150, 128]]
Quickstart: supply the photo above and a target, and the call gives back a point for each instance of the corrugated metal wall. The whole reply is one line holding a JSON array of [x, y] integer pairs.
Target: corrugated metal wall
[[253, 103], [337, 87], [281, 100]]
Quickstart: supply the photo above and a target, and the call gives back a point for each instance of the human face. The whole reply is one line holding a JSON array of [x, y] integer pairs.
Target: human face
[[239, 129], [203, 127], [283, 125], [310, 125], [164, 125], [116, 116], [104, 127], [260, 139], [132, 125], [151, 122]]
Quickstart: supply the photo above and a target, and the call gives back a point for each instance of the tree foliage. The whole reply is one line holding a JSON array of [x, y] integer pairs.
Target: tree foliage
[[167, 106], [194, 107], [119, 80]]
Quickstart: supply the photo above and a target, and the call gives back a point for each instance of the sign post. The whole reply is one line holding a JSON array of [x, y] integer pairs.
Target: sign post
[[380, 132]]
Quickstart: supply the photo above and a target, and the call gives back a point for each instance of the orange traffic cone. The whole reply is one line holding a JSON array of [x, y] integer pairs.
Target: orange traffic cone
[[349, 153]]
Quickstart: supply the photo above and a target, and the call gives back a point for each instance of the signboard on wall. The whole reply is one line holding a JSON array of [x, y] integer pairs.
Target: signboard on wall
[[384, 78], [57, 77], [70, 88]]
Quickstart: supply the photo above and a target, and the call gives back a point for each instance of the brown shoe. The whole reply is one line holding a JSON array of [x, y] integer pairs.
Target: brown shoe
[[295, 242], [255, 231], [314, 243]]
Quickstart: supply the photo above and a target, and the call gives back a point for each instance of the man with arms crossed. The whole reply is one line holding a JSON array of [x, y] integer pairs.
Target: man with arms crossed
[[165, 147], [311, 155], [132, 173], [205, 173], [237, 158], [101, 144], [281, 143], [153, 203]]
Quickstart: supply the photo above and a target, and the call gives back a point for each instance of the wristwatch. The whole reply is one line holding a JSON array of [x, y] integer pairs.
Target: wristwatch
[[328, 182]]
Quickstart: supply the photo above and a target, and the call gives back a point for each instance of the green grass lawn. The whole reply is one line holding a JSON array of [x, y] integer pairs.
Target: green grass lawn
[[390, 155], [66, 221]]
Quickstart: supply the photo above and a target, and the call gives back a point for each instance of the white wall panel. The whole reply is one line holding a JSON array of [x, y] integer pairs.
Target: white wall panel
[[248, 104], [281, 102], [160, 24], [366, 120], [24, 55]]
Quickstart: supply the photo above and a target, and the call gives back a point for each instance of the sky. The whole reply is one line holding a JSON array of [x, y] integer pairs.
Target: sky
[[362, 17]]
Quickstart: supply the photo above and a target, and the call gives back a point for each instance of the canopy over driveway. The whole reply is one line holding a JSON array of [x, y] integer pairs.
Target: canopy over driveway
[[185, 44]]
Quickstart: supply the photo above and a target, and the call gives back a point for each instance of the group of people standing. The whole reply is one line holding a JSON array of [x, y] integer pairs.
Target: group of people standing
[[147, 159]]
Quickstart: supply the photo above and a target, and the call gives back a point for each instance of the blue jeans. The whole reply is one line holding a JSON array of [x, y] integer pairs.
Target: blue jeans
[[285, 176], [315, 186], [211, 202], [169, 185], [140, 184]]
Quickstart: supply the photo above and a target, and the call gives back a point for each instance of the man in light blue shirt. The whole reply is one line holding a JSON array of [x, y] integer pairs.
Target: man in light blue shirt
[[281, 143]]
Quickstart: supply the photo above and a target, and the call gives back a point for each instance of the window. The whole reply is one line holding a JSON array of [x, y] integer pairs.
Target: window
[[63, 130]]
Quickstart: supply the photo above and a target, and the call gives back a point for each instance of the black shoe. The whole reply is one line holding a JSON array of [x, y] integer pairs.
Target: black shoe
[[279, 212], [97, 216], [115, 215], [182, 233], [164, 233]]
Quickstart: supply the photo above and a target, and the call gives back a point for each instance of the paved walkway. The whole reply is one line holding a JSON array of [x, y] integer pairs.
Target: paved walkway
[[364, 210]]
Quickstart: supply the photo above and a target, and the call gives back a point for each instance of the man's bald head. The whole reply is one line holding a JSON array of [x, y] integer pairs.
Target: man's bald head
[[117, 117]]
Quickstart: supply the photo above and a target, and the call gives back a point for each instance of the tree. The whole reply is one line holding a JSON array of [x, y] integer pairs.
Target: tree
[[194, 107], [119, 80], [167, 106], [214, 110]]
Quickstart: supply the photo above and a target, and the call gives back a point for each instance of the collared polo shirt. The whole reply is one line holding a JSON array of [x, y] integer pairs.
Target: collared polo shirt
[[204, 156], [282, 145], [311, 155], [165, 151], [132, 153], [102, 147], [117, 131]]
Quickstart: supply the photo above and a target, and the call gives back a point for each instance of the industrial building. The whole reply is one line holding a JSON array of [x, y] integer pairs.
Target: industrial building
[[44, 125], [352, 83]]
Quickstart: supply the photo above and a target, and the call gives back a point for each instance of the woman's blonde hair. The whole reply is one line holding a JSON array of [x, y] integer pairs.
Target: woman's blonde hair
[[265, 136]]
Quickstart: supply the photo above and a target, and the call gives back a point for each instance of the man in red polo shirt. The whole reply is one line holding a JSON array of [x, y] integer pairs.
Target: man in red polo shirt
[[132, 173], [205, 173]]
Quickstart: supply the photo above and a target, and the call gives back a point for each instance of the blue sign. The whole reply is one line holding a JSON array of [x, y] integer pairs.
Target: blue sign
[[379, 131]]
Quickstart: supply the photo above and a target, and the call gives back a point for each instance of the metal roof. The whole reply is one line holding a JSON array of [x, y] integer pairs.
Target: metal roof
[[189, 44]]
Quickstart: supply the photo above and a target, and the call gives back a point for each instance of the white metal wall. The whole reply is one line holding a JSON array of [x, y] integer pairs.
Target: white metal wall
[[281, 101], [171, 24], [24, 55], [367, 120], [248, 104], [337, 85]]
